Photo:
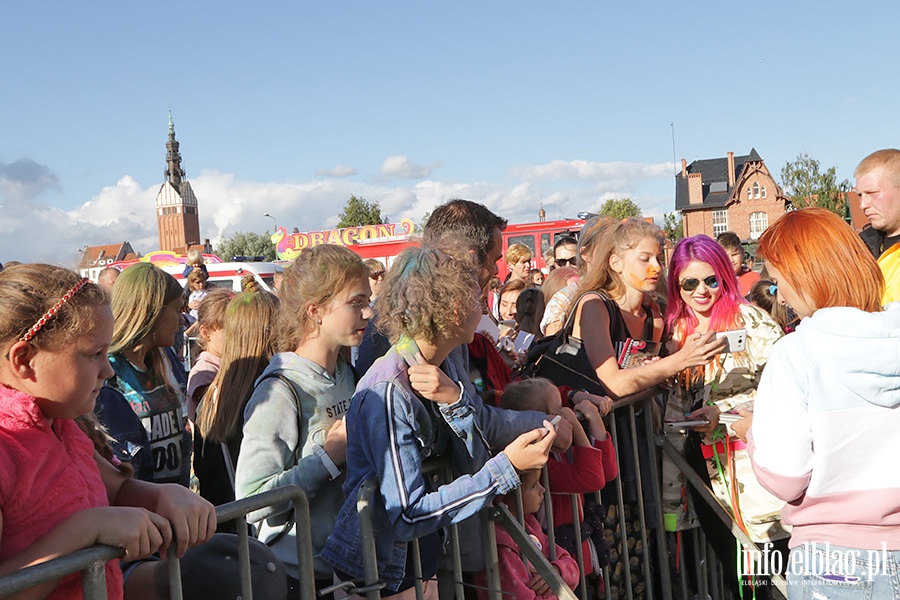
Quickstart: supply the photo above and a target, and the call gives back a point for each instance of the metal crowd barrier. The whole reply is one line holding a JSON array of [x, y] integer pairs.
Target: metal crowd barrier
[[644, 448], [91, 561], [653, 559]]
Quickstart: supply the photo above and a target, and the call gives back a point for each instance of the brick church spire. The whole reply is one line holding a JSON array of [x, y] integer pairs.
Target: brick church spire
[[174, 173], [177, 218]]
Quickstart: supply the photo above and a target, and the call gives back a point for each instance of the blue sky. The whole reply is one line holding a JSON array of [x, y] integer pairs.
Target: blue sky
[[290, 107]]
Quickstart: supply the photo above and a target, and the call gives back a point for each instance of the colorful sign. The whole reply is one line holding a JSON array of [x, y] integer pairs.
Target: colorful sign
[[164, 258], [288, 246]]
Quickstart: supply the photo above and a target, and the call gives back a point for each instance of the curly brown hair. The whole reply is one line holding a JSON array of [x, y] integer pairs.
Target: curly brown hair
[[425, 290]]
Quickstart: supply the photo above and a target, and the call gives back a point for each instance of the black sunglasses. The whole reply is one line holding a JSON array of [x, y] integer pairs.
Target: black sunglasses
[[690, 284], [561, 262], [378, 275]]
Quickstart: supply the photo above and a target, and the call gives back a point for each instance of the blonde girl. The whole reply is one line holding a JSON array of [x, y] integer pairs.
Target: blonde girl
[[146, 307], [247, 346], [293, 423], [57, 495]]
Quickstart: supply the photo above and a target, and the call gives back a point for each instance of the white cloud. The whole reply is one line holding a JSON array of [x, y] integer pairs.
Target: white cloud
[[32, 230], [24, 179], [557, 170], [336, 171], [401, 168]]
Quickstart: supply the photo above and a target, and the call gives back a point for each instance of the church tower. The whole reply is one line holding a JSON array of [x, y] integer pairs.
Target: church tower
[[177, 219]]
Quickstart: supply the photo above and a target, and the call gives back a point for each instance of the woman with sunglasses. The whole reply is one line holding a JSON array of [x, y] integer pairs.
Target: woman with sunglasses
[[704, 296]]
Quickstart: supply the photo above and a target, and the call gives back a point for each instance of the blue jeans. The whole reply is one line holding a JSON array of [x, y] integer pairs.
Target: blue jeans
[[823, 571]]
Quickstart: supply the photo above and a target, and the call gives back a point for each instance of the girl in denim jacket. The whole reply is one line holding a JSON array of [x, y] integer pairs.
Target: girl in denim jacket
[[410, 406]]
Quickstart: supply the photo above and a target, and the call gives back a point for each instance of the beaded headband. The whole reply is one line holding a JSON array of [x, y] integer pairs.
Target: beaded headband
[[29, 335]]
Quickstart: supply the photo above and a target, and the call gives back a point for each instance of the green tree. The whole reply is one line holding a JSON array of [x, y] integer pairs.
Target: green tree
[[807, 185], [620, 208], [420, 227], [246, 244], [358, 212], [673, 225]]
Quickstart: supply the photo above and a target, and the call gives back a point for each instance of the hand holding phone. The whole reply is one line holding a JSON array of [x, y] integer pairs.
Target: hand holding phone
[[735, 340], [553, 423]]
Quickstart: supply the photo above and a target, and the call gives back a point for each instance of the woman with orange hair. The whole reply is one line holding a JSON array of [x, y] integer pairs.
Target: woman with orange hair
[[826, 428]]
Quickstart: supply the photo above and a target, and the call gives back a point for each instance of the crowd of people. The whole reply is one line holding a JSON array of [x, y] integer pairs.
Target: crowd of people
[[779, 387]]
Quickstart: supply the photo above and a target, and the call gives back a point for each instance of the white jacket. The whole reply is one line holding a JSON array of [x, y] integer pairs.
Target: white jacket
[[826, 428]]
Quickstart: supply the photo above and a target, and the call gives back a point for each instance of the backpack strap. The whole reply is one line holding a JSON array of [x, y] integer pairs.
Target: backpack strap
[[295, 458], [615, 316]]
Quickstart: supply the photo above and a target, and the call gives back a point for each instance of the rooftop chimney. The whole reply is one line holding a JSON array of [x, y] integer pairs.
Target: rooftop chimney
[[730, 170], [683, 168]]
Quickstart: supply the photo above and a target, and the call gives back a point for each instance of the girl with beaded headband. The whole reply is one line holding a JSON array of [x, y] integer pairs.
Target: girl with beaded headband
[[57, 494]]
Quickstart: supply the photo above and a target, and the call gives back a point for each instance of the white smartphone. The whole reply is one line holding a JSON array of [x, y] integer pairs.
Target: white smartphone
[[736, 340], [683, 424]]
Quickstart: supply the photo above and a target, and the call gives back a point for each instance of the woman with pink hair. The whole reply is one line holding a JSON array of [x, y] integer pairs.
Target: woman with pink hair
[[704, 296]]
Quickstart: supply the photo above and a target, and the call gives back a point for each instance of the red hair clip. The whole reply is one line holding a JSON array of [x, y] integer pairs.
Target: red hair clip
[[29, 335]]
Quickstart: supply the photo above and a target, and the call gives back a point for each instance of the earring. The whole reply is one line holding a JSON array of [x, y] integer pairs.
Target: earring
[[318, 321]]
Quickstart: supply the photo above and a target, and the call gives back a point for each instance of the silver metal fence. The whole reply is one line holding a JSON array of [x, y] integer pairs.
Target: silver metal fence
[[635, 431], [91, 561]]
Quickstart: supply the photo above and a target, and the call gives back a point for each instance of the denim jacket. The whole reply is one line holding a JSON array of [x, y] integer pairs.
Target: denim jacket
[[390, 432]]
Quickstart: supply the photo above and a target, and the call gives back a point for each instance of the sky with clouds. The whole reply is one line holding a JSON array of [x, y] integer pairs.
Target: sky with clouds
[[289, 108]]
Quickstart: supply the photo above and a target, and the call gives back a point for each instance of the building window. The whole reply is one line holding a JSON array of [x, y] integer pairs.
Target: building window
[[764, 191], [720, 222], [759, 221], [756, 189], [749, 193]]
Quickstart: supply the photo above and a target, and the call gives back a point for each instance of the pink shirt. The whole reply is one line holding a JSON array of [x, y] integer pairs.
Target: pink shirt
[[47, 474]]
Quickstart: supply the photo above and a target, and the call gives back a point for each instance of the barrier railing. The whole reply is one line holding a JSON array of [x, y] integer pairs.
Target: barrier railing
[[91, 561], [639, 451]]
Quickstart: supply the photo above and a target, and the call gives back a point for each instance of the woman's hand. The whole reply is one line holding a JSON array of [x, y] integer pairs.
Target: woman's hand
[[192, 518], [741, 427], [707, 413], [530, 450], [700, 348], [433, 384], [335, 445]]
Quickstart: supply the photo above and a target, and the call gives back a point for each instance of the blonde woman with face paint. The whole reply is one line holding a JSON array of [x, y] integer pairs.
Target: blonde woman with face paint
[[625, 267]]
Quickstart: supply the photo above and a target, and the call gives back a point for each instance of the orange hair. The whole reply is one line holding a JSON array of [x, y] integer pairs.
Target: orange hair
[[823, 259]]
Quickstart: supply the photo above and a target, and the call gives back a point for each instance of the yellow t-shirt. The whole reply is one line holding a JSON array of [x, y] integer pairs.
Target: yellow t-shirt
[[890, 268]]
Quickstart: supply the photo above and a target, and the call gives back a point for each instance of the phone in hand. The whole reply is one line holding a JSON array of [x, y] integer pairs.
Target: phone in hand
[[683, 424], [553, 422], [736, 340]]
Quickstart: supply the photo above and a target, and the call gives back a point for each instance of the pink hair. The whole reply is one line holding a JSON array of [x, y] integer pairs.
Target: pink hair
[[725, 315]]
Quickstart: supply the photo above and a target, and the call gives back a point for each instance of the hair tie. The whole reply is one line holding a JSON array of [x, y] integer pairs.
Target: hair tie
[[29, 335]]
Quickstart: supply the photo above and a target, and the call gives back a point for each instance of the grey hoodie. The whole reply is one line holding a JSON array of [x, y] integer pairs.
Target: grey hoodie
[[271, 434]]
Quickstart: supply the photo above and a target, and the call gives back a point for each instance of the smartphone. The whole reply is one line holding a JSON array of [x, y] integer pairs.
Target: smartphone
[[683, 424], [736, 340], [553, 422]]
